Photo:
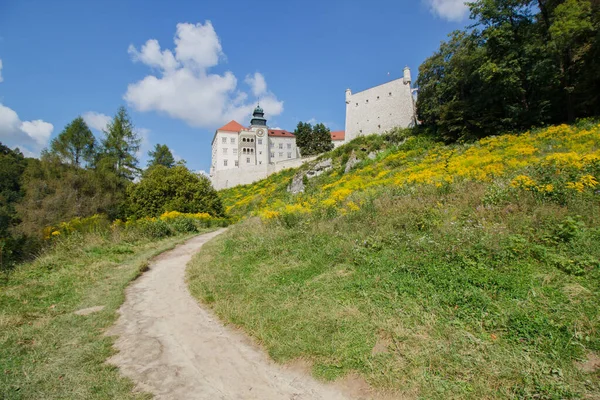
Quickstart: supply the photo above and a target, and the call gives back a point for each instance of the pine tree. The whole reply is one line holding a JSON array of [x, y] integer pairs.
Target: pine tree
[[120, 146]]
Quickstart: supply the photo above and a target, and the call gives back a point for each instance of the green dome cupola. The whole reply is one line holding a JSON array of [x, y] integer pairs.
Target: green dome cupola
[[258, 117]]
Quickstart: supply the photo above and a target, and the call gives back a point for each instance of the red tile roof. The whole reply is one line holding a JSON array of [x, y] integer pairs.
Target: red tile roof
[[280, 133], [231, 126], [338, 135]]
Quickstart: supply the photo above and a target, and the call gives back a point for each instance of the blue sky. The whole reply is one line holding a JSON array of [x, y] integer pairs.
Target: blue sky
[[184, 68]]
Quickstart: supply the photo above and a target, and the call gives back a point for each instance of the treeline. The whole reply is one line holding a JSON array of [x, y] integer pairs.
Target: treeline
[[522, 63], [79, 176]]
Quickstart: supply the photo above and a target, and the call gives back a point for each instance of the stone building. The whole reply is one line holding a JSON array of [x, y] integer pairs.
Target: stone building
[[380, 108], [338, 138], [242, 155]]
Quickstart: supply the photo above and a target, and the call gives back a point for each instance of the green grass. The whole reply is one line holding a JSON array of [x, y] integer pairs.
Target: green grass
[[46, 351], [427, 293]]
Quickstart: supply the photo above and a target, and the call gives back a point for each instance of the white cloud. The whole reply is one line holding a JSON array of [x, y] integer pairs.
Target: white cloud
[[257, 83], [1, 79], [29, 136], [184, 87], [96, 120], [452, 10]]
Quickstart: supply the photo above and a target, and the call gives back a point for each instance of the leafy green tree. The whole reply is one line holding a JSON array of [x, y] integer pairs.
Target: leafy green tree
[[312, 140], [161, 155], [120, 146], [303, 135], [75, 144], [321, 139], [522, 63], [164, 189]]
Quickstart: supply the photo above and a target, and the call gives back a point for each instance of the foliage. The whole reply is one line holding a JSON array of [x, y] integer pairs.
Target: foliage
[[557, 164], [120, 146], [312, 140], [173, 189], [12, 166], [75, 144], [161, 155], [523, 63]]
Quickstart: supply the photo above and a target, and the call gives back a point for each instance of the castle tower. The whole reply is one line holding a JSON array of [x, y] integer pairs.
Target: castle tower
[[348, 95], [407, 78]]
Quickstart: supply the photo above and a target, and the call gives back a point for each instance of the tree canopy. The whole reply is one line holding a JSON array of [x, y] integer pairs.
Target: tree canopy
[[75, 144], [173, 189], [313, 140], [161, 155], [522, 63]]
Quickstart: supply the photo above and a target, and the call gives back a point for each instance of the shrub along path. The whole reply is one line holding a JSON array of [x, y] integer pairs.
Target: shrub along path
[[173, 348]]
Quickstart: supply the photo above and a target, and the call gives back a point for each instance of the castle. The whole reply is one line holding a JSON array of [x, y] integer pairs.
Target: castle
[[380, 108], [242, 155]]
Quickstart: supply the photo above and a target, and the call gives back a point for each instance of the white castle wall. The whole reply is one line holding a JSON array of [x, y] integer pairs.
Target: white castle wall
[[380, 108], [223, 179]]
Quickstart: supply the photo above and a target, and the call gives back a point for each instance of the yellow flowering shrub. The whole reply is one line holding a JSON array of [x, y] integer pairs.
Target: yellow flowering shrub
[[550, 162]]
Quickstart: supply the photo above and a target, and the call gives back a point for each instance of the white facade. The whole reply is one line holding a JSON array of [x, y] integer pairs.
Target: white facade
[[243, 155], [381, 108]]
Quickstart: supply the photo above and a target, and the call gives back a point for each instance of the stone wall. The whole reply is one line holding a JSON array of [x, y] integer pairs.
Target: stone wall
[[379, 109]]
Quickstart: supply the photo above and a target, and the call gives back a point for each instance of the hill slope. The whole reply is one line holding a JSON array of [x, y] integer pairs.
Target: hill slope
[[464, 271]]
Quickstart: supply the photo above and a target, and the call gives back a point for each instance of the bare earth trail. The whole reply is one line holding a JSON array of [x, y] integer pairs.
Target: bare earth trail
[[173, 348]]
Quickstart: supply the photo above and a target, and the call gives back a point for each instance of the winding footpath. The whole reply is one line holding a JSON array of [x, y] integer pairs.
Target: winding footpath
[[171, 347]]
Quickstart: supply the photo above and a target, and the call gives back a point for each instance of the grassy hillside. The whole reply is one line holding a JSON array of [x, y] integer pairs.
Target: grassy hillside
[[47, 351], [432, 271]]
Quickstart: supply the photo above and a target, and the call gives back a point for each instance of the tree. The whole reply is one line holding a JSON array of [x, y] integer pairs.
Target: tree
[[164, 189], [522, 63], [75, 144], [321, 139], [120, 146], [12, 165], [312, 141], [303, 133], [161, 156]]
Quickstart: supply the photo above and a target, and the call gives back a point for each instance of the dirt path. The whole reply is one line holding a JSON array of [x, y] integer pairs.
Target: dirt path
[[173, 348]]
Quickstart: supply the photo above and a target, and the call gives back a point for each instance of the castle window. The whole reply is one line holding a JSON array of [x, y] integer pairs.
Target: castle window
[[237, 163], [289, 154], [247, 160], [252, 140], [281, 145], [361, 131], [379, 126], [259, 141], [272, 155], [271, 145], [356, 104], [289, 145], [224, 163], [234, 151], [281, 154], [367, 101], [224, 140], [260, 152], [224, 150], [377, 97], [390, 93], [232, 140]]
